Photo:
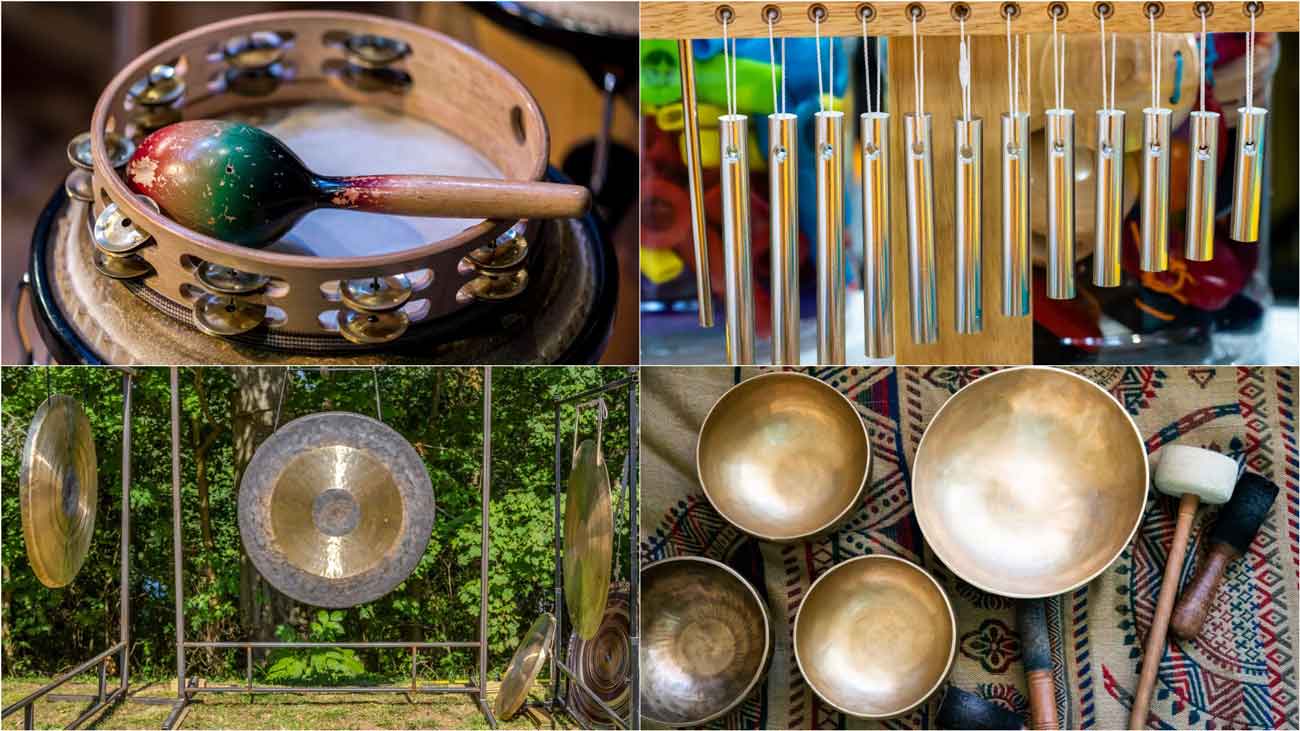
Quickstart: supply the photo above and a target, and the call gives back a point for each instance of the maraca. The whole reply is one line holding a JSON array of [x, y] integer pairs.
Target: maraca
[[241, 184]]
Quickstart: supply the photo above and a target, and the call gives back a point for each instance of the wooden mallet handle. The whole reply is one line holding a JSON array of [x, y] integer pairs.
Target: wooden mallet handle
[[1155, 647], [456, 197], [1036, 652], [1195, 602]]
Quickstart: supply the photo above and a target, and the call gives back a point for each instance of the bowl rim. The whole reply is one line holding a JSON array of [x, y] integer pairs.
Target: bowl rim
[[850, 504], [767, 639], [917, 505], [952, 645]]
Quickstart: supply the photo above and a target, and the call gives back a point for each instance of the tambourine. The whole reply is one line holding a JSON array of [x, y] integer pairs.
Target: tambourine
[[350, 94]]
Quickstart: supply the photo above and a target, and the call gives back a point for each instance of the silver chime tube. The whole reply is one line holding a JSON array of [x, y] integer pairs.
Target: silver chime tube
[[783, 179], [923, 293], [877, 264], [830, 238], [694, 179], [734, 132], [1156, 123], [1015, 215], [1109, 209], [968, 170], [1060, 204], [1248, 180], [1200, 185]]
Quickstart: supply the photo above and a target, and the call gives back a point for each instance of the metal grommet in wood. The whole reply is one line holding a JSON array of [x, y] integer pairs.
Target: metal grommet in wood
[[1103, 10], [1009, 11], [1252, 9], [771, 14], [1203, 9], [960, 12], [1153, 9], [724, 14], [1058, 10], [865, 12], [818, 13], [915, 11]]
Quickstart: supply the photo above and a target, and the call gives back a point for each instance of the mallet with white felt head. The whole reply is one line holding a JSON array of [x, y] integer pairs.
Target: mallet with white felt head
[[1195, 475], [1234, 530]]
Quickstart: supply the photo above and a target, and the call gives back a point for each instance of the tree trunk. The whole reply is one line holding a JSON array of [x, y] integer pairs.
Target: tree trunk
[[256, 391]]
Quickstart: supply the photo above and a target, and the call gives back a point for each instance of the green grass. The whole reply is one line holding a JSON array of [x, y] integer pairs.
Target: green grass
[[281, 711]]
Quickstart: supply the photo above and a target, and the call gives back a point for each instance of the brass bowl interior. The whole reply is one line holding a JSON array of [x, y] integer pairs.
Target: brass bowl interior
[[1029, 482], [875, 636], [783, 456], [705, 640]]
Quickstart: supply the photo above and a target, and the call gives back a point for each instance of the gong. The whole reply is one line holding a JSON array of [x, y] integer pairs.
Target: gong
[[527, 662], [588, 539], [58, 488], [603, 662], [335, 509]]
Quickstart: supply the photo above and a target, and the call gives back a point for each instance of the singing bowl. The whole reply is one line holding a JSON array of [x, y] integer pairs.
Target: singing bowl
[[875, 636], [527, 662], [1029, 482], [58, 487], [335, 509], [783, 456], [706, 640]]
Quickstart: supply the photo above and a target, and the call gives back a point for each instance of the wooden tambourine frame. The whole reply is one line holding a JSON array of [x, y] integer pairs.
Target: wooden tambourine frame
[[1004, 340], [451, 86]]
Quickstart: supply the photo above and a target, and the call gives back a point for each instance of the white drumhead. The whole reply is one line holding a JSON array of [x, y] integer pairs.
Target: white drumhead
[[342, 139]]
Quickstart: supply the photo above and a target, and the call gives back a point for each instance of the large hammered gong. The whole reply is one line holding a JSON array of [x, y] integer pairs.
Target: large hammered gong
[[603, 663], [58, 489], [335, 509], [588, 539], [1029, 482]]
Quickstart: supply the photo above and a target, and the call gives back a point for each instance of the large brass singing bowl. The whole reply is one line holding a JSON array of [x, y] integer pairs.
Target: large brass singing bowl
[[783, 456], [533, 652], [58, 488], [706, 640], [588, 539], [875, 636], [335, 509], [1029, 482]]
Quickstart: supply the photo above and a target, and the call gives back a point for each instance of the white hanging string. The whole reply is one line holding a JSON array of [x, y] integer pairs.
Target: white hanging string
[[1250, 60], [1013, 68], [1058, 63], [830, 76], [1156, 43], [735, 65], [918, 73], [1113, 36], [1104, 105], [784, 107], [771, 54], [1202, 61], [866, 62], [817, 34], [963, 67], [726, 65], [879, 80], [1029, 72]]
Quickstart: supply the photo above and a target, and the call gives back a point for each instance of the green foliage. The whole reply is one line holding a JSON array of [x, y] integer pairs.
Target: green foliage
[[317, 666], [439, 410]]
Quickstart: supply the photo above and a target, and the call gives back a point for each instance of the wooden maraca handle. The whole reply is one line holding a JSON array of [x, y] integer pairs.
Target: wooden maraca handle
[[1155, 647], [1195, 602], [454, 197], [1042, 699]]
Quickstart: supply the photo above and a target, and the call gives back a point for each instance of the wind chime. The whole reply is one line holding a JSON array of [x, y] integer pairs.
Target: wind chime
[[965, 193]]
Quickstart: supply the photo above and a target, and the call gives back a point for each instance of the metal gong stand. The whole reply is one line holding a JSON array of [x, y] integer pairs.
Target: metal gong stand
[[102, 698], [187, 687], [564, 681]]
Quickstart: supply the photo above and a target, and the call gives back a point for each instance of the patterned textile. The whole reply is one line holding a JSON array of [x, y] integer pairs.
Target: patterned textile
[[1240, 673]]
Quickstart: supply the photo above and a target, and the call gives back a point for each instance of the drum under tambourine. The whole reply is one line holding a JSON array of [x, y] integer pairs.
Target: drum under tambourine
[[114, 280]]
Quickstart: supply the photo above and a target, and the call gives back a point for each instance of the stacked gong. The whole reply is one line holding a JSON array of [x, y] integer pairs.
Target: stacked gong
[[335, 509], [599, 650], [58, 490]]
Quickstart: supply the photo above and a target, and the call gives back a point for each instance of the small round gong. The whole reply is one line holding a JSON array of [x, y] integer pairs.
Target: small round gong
[[783, 456], [1029, 482], [875, 636], [529, 657], [335, 509], [588, 539], [58, 488], [706, 640], [603, 663]]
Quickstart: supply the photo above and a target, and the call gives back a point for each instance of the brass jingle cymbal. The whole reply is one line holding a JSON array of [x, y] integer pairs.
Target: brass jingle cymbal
[[336, 509], [129, 266], [225, 280], [603, 663], [372, 328], [1029, 482], [120, 150], [80, 185], [58, 488], [706, 640], [493, 287], [875, 636], [115, 233], [376, 294], [588, 539], [222, 315], [527, 662]]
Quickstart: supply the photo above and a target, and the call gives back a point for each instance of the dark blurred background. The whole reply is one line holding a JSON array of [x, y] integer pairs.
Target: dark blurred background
[[59, 56]]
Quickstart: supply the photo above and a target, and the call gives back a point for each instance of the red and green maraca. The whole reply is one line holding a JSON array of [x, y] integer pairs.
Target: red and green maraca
[[241, 184]]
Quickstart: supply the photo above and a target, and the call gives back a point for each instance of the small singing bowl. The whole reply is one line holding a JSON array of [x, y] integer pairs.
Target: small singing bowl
[[875, 636], [706, 640], [783, 456], [1029, 482]]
